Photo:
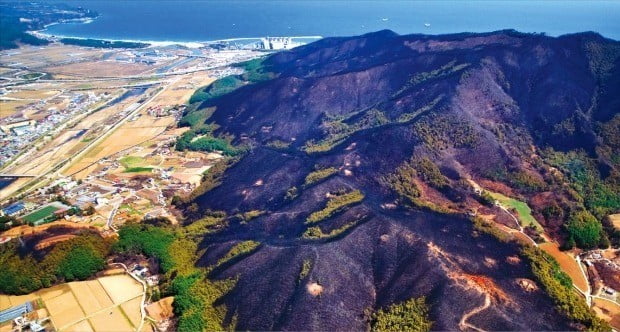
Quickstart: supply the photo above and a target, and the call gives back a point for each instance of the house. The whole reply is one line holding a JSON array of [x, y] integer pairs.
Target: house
[[14, 209], [140, 271]]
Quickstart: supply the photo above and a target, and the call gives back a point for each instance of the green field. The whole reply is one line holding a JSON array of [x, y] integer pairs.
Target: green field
[[132, 161], [40, 214], [130, 209], [138, 169], [524, 213]]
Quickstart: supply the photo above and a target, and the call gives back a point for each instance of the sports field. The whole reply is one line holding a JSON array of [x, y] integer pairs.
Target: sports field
[[40, 214]]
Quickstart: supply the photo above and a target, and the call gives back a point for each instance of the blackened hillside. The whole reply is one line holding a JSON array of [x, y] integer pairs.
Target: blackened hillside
[[394, 132]]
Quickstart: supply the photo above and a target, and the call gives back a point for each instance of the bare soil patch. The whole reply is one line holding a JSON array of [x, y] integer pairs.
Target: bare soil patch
[[568, 265], [314, 289]]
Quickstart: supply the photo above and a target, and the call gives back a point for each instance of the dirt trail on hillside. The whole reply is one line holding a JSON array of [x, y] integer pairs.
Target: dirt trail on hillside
[[463, 324]]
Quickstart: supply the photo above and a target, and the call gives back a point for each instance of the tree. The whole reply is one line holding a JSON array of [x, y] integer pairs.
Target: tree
[[584, 229], [411, 315]]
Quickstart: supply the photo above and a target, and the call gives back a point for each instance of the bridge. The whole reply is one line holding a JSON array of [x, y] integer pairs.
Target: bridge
[[5, 175]]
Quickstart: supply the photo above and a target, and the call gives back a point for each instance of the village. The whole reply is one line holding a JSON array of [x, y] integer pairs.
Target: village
[[92, 154]]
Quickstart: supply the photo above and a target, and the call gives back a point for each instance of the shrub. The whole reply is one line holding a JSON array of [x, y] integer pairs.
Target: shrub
[[256, 70], [402, 182], [306, 267], [319, 175], [411, 315], [429, 172], [278, 144], [337, 131], [80, 263], [190, 141], [489, 228], [194, 294], [204, 226], [440, 131], [584, 229], [217, 89], [239, 249], [291, 193], [334, 205], [486, 198], [247, 216], [315, 232]]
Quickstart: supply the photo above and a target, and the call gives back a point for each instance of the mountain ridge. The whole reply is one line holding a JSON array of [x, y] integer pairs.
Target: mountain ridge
[[410, 122]]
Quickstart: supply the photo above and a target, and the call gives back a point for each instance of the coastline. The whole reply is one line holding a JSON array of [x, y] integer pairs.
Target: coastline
[[160, 43], [44, 34]]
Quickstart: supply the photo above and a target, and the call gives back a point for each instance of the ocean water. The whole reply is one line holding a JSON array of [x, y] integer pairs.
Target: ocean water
[[193, 20], [5, 182]]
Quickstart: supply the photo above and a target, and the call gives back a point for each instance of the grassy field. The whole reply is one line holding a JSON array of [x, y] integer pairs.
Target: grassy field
[[132, 161], [524, 213], [138, 169], [40, 214]]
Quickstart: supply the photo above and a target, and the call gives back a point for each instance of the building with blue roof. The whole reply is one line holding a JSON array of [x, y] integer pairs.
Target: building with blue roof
[[13, 209], [14, 312]]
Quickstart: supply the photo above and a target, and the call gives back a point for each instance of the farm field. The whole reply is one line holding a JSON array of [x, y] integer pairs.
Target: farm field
[[96, 69], [568, 265], [10, 107], [34, 95], [615, 220], [66, 143], [131, 133], [69, 141], [181, 90], [609, 311], [524, 213], [110, 303]]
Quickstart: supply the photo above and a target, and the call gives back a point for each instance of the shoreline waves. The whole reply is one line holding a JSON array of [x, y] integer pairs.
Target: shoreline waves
[[160, 43]]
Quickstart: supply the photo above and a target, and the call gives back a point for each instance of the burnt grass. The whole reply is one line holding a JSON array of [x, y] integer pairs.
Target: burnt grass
[[359, 269], [511, 92]]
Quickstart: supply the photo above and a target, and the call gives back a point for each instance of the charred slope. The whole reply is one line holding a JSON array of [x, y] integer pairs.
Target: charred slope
[[452, 108]]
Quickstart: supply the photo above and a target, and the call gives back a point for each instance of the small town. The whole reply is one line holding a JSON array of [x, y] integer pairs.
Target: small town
[[58, 181]]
